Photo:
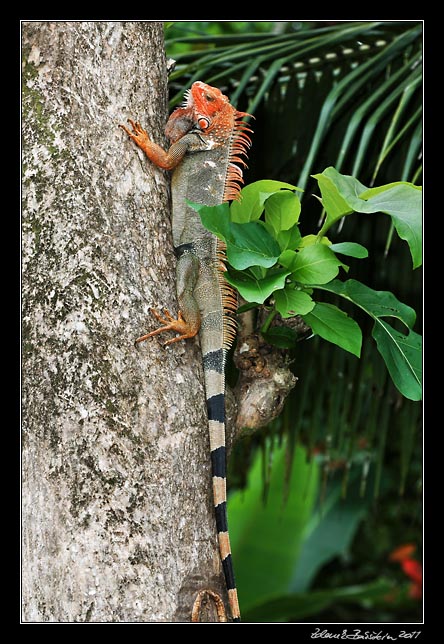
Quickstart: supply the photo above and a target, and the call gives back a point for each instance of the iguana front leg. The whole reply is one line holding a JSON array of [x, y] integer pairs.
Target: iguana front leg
[[166, 160], [187, 323]]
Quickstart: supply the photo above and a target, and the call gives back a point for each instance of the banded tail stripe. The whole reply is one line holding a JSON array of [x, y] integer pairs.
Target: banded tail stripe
[[216, 419]]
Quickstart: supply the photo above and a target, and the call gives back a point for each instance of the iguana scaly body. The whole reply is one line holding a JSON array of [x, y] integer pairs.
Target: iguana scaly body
[[207, 137]]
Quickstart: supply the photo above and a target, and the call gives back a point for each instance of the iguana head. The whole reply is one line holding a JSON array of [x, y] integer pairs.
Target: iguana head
[[208, 113], [206, 109], [213, 113]]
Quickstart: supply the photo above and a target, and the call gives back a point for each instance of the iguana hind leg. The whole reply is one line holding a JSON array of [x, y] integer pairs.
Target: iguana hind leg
[[187, 324], [180, 326]]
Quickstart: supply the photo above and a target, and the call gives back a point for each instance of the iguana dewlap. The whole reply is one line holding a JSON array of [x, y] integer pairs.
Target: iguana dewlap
[[207, 137]]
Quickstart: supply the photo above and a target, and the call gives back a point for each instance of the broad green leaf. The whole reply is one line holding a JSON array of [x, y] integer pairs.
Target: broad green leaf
[[341, 191], [290, 302], [280, 336], [257, 290], [309, 240], [288, 258], [251, 201], [299, 606], [351, 249], [376, 303], [334, 325], [403, 356], [371, 192], [315, 264], [266, 537], [402, 201], [216, 219], [401, 353], [289, 239], [248, 244], [251, 245], [259, 272], [331, 529], [333, 200], [282, 210]]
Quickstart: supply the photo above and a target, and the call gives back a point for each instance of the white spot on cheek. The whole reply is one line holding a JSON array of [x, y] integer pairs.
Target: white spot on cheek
[[211, 164]]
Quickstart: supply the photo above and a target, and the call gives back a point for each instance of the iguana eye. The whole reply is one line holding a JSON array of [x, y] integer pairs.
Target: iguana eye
[[203, 122], [209, 98]]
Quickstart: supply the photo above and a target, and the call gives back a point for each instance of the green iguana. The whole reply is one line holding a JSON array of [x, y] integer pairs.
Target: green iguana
[[207, 137]]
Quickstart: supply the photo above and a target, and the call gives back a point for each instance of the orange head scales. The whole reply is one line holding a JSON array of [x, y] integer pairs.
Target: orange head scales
[[205, 108]]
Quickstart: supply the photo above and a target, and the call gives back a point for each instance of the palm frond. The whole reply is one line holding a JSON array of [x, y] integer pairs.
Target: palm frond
[[338, 87]]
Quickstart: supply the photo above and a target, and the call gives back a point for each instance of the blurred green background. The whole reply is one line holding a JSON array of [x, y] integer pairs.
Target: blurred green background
[[322, 497]]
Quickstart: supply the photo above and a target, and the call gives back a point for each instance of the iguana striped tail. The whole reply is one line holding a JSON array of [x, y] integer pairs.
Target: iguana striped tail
[[214, 366]]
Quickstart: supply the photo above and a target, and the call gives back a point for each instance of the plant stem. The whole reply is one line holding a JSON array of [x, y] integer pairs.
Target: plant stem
[[268, 321]]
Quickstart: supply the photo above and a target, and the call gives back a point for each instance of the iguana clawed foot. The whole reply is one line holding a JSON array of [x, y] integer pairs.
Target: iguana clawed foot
[[170, 324], [205, 601], [138, 135]]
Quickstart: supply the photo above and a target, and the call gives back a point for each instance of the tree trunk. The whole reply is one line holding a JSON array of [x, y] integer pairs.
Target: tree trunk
[[117, 513]]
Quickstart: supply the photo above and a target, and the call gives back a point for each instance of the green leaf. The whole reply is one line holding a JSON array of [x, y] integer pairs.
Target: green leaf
[[376, 303], [309, 240], [334, 325], [281, 336], [248, 244], [266, 537], [298, 606], [377, 190], [401, 353], [282, 210], [290, 302], [315, 264], [216, 219], [251, 245], [334, 198], [257, 290], [402, 201], [351, 249], [250, 205], [289, 239], [403, 356], [331, 530], [288, 259]]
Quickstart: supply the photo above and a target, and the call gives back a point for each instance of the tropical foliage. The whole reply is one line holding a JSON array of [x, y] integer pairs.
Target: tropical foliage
[[284, 544], [270, 261], [322, 497]]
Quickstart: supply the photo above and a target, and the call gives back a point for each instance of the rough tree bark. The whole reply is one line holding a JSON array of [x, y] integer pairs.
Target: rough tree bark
[[118, 521], [117, 514]]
